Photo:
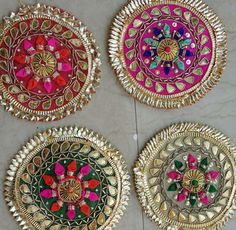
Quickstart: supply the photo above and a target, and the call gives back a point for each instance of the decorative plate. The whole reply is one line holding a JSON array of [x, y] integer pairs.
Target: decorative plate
[[67, 178], [48, 63], [185, 178], [167, 53]]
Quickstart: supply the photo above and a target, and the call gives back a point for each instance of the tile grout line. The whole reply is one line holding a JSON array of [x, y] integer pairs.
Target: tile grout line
[[136, 123]]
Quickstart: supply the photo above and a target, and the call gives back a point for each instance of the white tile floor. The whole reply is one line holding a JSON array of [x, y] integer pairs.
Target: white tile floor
[[116, 115]]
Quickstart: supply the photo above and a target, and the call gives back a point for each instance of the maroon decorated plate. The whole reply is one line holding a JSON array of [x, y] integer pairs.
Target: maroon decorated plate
[[48, 63]]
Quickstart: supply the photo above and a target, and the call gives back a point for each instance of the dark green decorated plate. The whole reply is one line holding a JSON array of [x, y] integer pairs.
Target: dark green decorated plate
[[67, 178]]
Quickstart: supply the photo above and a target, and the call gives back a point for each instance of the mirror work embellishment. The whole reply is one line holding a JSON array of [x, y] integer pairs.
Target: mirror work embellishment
[[167, 54], [49, 63], [185, 177], [67, 178]]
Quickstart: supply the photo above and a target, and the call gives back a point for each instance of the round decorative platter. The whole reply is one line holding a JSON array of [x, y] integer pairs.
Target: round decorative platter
[[185, 178], [49, 63], [169, 53], [67, 178]]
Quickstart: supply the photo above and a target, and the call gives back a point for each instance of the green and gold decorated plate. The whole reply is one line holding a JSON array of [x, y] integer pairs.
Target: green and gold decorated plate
[[185, 178], [67, 178]]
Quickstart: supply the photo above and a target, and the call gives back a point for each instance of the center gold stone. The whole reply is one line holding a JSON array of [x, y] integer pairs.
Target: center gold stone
[[43, 64], [194, 181], [70, 190], [168, 49]]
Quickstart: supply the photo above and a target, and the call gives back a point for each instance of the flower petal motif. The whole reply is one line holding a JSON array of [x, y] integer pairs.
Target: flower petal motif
[[84, 171], [60, 171], [22, 59], [192, 161], [49, 180], [167, 31], [85, 209], [174, 175], [167, 48], [63, 53], [48, 193], [182, 196], [32, 83], [71, 168], [40, 43], [91, 184], [203, 197], [59, 79], [28, 46], [22, 73], [52, 44], [48, 85], [92, 196], [56, 206], [71, 212], [64, 67], [204, 164], [212, 175]]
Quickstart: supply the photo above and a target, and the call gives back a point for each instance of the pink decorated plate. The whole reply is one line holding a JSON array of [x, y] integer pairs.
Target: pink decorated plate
[[48, 63], [167, 54]]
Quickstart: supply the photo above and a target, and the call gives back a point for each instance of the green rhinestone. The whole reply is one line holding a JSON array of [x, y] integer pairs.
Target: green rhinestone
[[212, 189], [172, 187], [195, 182], [153, 65], [178, 164], [205, 161]]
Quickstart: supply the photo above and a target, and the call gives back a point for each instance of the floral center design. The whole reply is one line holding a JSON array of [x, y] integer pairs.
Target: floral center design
[[70, 190], [168, 49], [43, 64], [193, 181]]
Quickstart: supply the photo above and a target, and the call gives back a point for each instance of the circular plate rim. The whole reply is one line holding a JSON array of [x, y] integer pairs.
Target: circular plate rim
[[83, 134], [143, 95], [92, 80], [157, 140]]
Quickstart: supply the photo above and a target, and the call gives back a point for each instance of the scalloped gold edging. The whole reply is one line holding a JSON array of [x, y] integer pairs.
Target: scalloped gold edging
[[65, 133], [92, 80], [154, 145], [133, 88]]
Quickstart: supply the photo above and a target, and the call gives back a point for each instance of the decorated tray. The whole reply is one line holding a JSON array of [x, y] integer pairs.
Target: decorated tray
[[185, 178], [48, 63], [169, 53], [67, 178]]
